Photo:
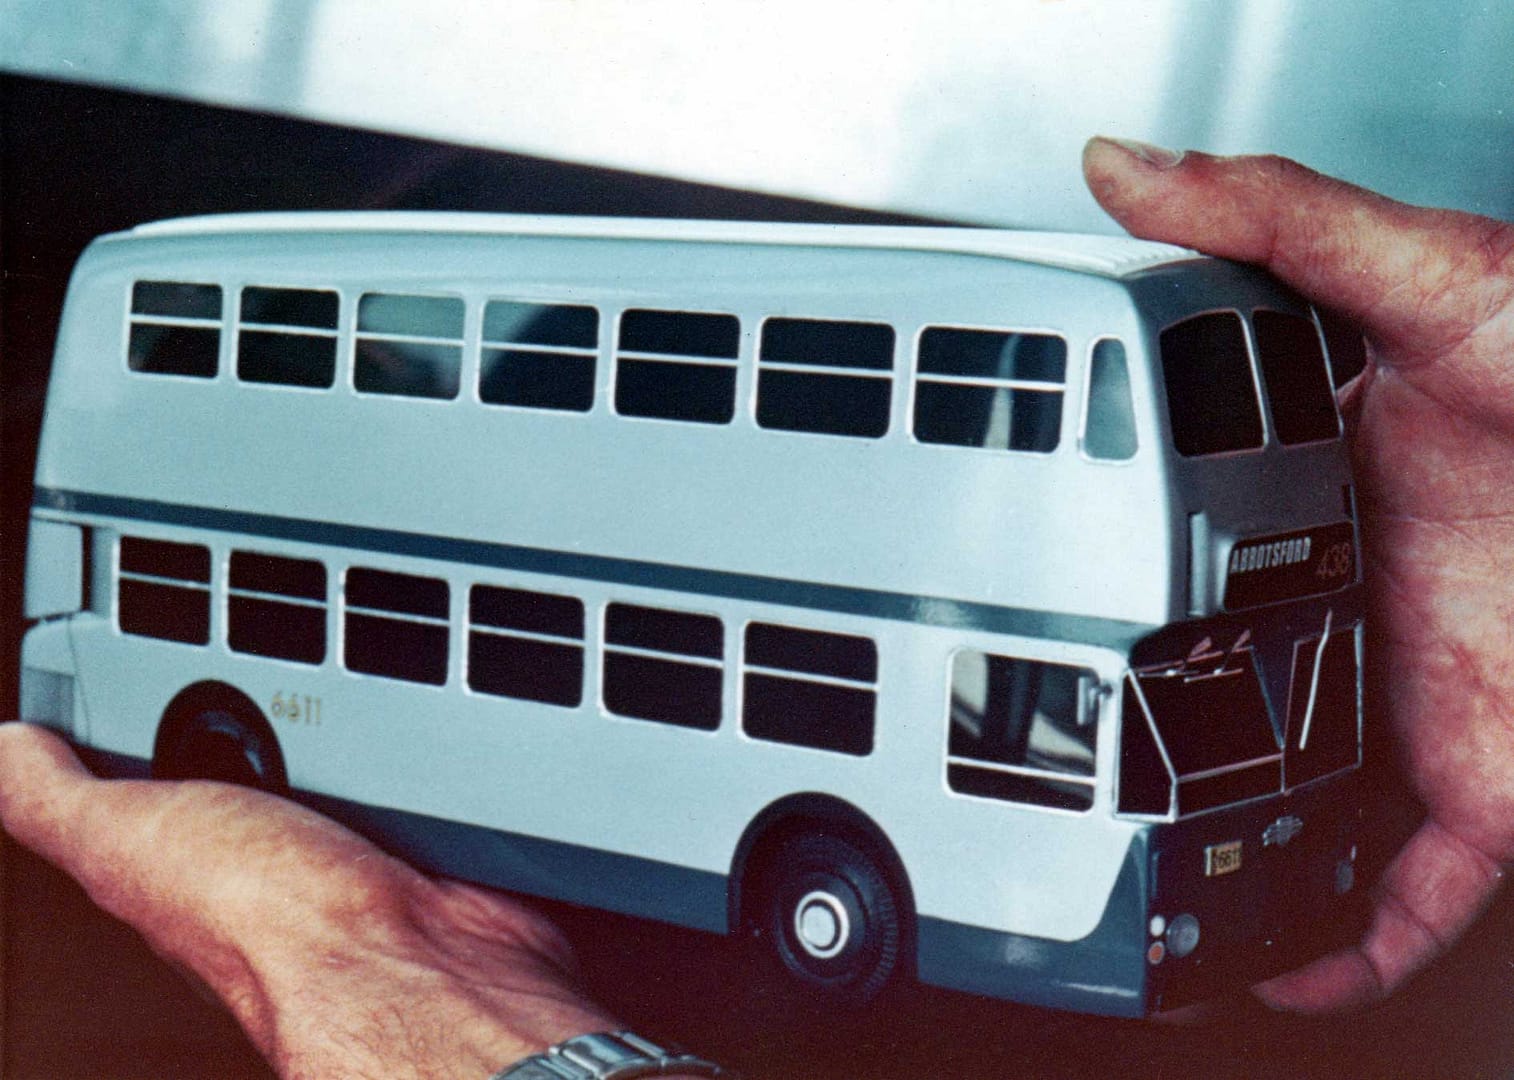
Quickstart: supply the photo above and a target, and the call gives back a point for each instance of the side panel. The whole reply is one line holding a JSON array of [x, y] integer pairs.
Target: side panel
[[584, 776]]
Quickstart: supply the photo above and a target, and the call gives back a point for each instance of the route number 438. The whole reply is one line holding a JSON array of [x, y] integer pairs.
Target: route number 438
[[296, 708], [1336, 562]]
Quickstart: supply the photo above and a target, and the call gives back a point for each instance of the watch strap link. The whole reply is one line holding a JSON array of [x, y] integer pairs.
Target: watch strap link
[[606, 1056]]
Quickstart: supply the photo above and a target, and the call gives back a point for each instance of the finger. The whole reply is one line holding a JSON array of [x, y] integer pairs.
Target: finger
[[1411, 276], [109, 836], [42, 785], [1433, 890], [144, 850]]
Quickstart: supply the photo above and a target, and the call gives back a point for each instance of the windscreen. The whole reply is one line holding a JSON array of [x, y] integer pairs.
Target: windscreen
[[1211, 394], [1297, 378], [1212, 398], [1211, 717], [1323, 706]]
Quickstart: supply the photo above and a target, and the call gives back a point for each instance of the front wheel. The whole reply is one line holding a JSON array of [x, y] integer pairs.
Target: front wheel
[[828, 915]]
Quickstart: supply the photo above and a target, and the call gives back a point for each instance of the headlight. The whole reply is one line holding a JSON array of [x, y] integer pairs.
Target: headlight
[[1183, 935]]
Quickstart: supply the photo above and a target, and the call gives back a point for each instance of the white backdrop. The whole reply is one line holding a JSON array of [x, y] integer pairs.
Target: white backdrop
[[973, 110]]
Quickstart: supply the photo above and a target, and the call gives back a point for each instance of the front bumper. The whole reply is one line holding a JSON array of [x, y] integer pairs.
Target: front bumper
[[1295, 895]]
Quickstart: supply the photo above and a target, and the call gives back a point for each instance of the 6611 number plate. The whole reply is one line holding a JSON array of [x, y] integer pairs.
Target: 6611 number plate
[[1222, 858]]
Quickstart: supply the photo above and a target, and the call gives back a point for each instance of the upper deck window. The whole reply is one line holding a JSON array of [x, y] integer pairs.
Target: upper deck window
[[1211, 394], [287, 337], [990, 389], [175, 329], [1109, 432], [539, 356], [1296, 377], [825, 376], [409, 345], [677, 365], [1345, 346]]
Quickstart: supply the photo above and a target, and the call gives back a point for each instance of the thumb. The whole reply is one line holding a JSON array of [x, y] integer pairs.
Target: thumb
[[42, 787], [1419, 281]]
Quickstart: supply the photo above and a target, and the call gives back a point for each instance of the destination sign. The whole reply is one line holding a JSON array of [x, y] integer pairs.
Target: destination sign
[[1286, 566]]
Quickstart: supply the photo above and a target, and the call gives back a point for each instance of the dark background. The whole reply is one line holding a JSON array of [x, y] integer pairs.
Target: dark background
[[83, 996]]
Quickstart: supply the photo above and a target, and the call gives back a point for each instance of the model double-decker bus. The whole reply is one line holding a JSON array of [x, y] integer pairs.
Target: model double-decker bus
[[969, 604]]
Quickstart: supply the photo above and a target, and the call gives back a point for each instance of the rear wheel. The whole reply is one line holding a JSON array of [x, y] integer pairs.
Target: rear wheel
[[213, 732], [826, 912]]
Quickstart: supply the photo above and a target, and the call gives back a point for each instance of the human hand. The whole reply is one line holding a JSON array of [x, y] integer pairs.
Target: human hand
[[336, 959], [1431, 422]]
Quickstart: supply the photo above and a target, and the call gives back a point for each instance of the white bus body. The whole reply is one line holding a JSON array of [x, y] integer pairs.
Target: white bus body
[[647, 565]]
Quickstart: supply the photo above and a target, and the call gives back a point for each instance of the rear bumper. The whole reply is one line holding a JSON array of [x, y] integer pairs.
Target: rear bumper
[[48, 684]]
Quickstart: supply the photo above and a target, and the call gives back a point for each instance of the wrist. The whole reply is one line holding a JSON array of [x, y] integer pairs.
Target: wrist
[[619, 1055], [412, 1005]]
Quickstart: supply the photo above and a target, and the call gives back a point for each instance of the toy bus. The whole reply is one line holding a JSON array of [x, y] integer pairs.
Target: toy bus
[[967, 604]]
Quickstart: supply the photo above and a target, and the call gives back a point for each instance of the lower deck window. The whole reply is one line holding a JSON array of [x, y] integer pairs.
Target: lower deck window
[[396, 626], [809, 688], [526, 645], [1022, 730], [163, 590], [664, 665], [276, 607], [1145, 782]]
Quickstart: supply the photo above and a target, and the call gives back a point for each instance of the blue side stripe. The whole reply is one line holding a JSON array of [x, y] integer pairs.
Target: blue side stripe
[[841, 599]]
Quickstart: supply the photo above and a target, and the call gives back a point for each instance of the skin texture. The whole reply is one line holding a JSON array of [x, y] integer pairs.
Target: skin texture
[[342, 962], [1432, 428], [337, 960]]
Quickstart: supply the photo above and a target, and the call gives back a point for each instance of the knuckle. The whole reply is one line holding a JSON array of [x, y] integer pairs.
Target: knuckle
[[1276, 173]]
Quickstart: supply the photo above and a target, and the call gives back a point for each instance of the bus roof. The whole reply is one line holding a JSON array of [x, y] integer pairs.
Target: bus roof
[[1110, 256]]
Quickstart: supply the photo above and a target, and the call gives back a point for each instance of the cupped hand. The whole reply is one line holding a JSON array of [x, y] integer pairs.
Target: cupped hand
[[1432, 429], [336, 959]]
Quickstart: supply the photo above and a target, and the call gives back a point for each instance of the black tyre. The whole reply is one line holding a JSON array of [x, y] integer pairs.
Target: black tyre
[[217, 733], [826, 913]]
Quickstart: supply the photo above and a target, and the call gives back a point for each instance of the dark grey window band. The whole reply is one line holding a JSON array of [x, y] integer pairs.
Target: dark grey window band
[[606, 1056], [818, 596]]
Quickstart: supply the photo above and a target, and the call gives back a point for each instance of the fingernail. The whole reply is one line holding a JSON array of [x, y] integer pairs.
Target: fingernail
[[1157, 156]]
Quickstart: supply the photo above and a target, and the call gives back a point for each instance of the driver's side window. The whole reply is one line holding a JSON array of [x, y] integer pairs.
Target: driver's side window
[[1022, 730]]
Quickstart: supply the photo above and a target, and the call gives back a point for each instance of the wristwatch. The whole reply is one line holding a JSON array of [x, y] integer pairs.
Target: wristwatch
[[603, 1056]]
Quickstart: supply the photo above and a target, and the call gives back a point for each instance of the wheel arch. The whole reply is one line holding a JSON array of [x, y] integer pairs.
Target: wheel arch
[[820, 813], [195, 701]]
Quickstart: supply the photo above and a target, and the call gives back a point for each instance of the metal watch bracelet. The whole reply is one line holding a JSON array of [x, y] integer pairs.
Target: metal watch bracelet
[[605, 1056]]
